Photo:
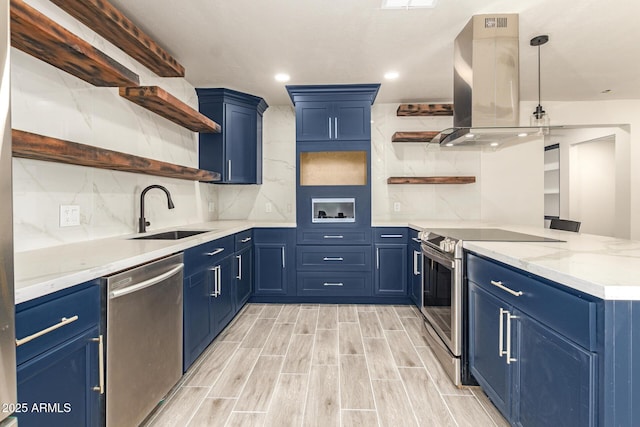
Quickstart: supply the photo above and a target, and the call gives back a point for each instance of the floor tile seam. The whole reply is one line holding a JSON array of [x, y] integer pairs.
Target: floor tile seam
[[269, 336], [197, 408], [408, 399], [366, 361], [484, 408], [224, 367], [253, 367]]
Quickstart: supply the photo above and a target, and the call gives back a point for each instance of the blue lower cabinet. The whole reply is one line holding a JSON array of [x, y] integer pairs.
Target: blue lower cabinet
[[243, 277], [390, 269], [56, 388], [415, 269], [331, 284], [274, 261], [198, 317], [222, 294]]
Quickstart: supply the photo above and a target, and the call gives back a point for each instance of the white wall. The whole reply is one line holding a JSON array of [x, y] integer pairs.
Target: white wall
[[50, 102]]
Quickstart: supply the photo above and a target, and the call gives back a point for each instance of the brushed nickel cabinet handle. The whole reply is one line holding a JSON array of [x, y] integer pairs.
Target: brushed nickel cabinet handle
[[333, 258], [391, 236], [248, 239], [215, 252], [229, 170], [100, 341], [283, 261], [330, 128], [504, 288], [332, 284], [501, 351], [508, 353], [330, 236], [239, 258], [64, 321]]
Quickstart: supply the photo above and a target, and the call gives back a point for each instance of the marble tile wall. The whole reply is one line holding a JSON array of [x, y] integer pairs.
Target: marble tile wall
[[50, 102]]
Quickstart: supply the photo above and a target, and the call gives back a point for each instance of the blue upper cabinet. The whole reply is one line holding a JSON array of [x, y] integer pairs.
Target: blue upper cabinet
[[333, 113], [236, 152]]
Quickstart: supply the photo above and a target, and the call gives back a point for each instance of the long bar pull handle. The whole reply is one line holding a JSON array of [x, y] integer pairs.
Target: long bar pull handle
[[283, 261], [63, 321], [504, 288], [330, 128], [508, 352], [332, 284], [328, 258], [336, 123], [214, 294], [239, 258], [219, 280], [215, 252], [415, 239], [229, 169], [100, 341], [248, 239], [377, 258], [391, 236], [416, 260], [150, 282], [337, 236], [501, 351]]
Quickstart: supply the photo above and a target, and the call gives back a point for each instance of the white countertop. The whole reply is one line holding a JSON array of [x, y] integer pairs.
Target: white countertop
[[604, 267]]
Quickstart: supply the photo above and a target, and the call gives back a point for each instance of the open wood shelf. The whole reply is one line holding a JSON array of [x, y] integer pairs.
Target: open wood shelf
[[37, 147], [431, 180], [156, 99], [421, 136], [34, 33], [103, 18], [425, 110]]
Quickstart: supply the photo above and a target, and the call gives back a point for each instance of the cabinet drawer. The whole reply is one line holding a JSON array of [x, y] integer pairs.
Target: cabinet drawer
[[334, 237], [572, 315], [334, 258], [206, 254], [334, 283], [81, 309], [244, 239], [390, 234]]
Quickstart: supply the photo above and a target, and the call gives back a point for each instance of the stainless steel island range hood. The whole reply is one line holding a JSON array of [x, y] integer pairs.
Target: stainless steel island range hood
[[486, 98]]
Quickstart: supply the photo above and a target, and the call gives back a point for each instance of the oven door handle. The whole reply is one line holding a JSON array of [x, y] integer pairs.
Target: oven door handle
[[437, 257]]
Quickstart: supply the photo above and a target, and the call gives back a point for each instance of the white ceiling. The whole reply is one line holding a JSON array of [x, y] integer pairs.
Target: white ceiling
[[242, 44]]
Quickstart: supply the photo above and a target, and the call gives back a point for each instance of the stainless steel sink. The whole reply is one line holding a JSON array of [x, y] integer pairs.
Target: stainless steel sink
[[171, 235]]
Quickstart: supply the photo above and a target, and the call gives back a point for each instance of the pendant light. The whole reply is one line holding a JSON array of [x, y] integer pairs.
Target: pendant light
[[539, 116]]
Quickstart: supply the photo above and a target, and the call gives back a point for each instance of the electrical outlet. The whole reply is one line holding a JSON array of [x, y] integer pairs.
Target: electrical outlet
[[69, 215], [397, 207], [268, 207], [212, 207]]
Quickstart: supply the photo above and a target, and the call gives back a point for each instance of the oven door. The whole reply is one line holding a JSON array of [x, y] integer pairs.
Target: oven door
[[442, 296]]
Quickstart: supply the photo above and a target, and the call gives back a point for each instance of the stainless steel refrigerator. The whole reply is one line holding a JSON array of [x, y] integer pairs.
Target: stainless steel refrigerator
[[7, 310]]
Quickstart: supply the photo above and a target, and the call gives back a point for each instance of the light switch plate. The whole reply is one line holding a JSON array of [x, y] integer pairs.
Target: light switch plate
[[69, 215]]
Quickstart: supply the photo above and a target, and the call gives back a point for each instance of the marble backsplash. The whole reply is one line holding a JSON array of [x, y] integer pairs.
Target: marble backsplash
[[51, 102]]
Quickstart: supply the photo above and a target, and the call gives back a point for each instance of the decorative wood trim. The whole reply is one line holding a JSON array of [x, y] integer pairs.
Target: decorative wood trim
[[421, 136], [425, 110], [34, 33], [38, 147], [156, 99], [103, 18], [431, 180]]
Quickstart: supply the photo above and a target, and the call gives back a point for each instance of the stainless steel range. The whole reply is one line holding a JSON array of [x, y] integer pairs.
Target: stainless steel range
[[443, 291]]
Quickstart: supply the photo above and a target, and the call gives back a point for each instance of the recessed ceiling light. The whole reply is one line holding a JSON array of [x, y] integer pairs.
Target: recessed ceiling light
[[282, 77], [523, 134], [391, 75], [494, 144], [408, 4]]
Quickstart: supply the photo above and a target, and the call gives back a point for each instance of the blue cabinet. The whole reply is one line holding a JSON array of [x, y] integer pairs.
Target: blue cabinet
[[235, 152], [222, 293], [390, 249], [415, 269], [532, 346], [274, 262], [333, 120], [244, 277], [198, 317], [59, 379]]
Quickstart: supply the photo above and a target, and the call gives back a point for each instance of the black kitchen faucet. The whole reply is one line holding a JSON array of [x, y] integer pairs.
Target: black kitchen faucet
[[142, 221]]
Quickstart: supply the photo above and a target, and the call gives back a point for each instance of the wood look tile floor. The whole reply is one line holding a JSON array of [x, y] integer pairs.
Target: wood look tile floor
[[322, 365]]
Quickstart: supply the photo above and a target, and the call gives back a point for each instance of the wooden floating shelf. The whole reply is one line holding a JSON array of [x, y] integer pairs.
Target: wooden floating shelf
[[431, 180], [35, 34], [425, 110], [103, 18], [37, 147], [422, 136], [156, 99]]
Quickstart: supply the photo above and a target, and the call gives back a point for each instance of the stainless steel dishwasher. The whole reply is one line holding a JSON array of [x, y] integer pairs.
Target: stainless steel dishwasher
[[144, 338]]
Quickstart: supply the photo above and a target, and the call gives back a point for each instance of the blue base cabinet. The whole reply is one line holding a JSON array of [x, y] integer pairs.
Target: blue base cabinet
[[533, 346], [59, 372], [415, 269], [390, 251], [244, 268], [274, 263]]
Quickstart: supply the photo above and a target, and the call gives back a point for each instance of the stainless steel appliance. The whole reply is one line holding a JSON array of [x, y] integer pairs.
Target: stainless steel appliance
[[443, 291], [8, 389], [144, 338]]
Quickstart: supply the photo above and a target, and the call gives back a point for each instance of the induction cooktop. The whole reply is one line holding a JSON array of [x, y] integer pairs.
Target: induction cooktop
[[488, 235]]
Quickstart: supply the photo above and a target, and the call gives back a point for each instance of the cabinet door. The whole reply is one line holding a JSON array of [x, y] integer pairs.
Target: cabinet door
[[244, 277], [487, 344], [314, 121], [555, 380], [270, 269], [198, 318], [415, 275], [391, 269], [222, 303], [352, 120], [57, 386], [241, 141]]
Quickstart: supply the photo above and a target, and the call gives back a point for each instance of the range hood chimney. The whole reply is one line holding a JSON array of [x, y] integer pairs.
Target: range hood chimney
[[486, 84]]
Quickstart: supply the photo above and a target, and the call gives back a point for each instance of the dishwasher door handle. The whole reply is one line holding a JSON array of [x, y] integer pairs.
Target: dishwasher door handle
[[150, 282]]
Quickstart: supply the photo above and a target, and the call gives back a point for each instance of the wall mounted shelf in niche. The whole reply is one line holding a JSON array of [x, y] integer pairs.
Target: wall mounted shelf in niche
[[38, 147], [425, 110], [103, 18], [157, 100], [333, 168], [37, 35], [431, 180], [421, 136]]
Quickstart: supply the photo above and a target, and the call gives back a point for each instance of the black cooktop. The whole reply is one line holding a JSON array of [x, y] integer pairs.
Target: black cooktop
[[489, 235]]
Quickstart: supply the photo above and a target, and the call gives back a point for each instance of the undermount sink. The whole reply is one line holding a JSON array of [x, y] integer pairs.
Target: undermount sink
[[171, 235]]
